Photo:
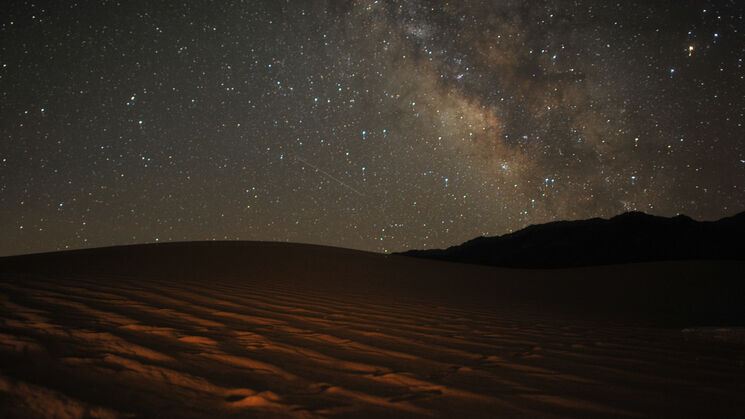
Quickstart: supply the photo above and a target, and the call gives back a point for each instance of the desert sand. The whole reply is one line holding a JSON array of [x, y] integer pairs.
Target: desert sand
[[282, 330]]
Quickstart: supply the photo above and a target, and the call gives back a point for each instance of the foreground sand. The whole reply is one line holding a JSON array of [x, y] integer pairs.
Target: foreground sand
[[285, 330]]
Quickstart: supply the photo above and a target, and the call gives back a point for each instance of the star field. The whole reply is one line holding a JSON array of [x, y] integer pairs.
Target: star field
[[377, 125]]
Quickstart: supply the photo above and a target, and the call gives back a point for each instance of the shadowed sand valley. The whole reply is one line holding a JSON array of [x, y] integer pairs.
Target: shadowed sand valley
[[282, 330]]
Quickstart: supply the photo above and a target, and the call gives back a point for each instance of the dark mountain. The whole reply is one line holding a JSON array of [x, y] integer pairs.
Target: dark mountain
[[626, 238]]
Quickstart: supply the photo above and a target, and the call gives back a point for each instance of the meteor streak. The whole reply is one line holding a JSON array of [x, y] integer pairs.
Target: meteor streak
[[329, 175]]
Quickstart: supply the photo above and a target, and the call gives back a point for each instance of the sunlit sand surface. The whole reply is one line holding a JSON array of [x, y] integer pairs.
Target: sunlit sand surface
[[265, 330]]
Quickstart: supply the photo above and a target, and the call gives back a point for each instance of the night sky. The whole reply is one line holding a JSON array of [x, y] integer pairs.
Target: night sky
[[376, 125]]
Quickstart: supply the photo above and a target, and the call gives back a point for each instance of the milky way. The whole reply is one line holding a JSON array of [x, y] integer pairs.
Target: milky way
[[377, 125]]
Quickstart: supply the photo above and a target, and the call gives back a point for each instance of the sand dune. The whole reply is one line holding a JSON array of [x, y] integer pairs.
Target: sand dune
[[264, 330]]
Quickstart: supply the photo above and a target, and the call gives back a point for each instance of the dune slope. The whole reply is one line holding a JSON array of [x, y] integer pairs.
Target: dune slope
[[278, 330]]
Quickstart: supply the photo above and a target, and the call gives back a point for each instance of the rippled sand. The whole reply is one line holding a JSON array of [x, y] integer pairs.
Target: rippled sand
[[314, 339]]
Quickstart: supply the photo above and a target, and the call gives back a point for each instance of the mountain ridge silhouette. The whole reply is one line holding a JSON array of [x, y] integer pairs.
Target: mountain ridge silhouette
[[629, 237]]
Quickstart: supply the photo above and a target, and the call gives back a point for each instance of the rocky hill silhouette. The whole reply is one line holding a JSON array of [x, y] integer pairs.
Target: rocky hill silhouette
[[626, 238]]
